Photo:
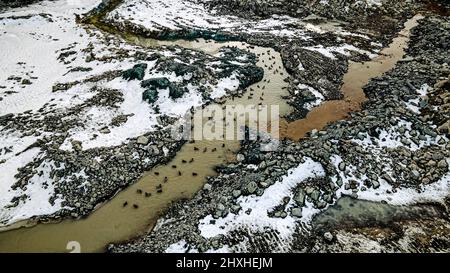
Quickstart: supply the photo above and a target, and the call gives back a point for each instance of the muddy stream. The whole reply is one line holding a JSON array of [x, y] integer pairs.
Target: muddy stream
[[112, 222]]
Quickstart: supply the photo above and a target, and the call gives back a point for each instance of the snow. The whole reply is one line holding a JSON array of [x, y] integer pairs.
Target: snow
[[15, 143], [29, 48]]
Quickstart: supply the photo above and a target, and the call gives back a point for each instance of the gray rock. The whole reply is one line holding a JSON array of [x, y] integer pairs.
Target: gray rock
[[328, 237]]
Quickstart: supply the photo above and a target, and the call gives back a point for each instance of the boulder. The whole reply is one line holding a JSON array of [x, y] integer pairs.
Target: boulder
[[135, 73]]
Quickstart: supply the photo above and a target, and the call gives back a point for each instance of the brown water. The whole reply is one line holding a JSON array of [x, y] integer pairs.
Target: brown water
[[113, 223], [357, 76]]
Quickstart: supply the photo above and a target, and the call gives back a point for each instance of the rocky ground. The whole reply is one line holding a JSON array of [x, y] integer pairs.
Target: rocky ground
[[91, 115], [395, 151]]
